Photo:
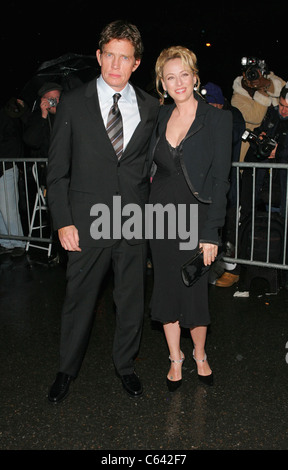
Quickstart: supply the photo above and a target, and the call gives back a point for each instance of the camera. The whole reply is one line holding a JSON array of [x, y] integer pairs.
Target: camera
[[253, 68], [52, 101], [264, 144]]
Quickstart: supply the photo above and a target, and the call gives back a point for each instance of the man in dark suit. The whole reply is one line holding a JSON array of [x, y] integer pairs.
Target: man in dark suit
[[85, 169]]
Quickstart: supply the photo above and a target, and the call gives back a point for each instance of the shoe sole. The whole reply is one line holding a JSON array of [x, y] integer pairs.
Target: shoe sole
[[221, 285], [133, 395], [56, 402]]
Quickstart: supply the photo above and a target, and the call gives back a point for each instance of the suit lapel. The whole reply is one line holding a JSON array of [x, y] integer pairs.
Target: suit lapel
[[92, 103], [144, 113]]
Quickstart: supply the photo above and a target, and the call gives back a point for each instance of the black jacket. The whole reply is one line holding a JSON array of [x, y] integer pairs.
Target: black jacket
[[83, 169], [11, 144], [37, 134], [205, 155]]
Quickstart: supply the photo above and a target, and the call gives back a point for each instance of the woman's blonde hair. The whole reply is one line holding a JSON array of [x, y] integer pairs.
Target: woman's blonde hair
[[188, 58]]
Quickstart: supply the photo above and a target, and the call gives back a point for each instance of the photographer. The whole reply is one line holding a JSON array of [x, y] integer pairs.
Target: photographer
[[254, 92], [40, 123], [268, 143], [37, 135]]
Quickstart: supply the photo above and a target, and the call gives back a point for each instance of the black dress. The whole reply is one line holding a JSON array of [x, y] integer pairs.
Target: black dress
[[171, 299]]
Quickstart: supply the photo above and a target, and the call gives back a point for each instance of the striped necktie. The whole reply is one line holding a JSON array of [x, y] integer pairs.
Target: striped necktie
[[115, 126]]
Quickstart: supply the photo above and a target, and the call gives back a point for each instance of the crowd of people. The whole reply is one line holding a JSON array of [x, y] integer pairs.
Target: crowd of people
[[260, 96], [102, 140]]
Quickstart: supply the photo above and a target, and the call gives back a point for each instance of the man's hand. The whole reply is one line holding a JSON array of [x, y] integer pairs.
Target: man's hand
[[273, 153], [261, 84], [44, 105], [69, 238]]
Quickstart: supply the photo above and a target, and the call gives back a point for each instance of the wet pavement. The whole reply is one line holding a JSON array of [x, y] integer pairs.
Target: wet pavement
[[247, 344]]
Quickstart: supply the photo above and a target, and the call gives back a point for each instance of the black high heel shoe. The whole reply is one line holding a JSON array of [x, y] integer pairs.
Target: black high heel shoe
[[205, 379], [173, 385]]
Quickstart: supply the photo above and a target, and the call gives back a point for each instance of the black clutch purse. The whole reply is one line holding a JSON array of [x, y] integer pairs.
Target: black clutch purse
[[194, 269]]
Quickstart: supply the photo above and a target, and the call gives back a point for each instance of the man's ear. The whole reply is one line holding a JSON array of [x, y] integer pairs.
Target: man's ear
[[98, 55], [136, 65]]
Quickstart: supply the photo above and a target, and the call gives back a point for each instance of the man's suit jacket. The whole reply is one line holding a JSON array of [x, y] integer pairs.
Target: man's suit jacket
[[83, 169]]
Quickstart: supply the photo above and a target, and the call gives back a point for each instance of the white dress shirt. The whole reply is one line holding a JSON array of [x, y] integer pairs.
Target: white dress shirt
[[127, 104]]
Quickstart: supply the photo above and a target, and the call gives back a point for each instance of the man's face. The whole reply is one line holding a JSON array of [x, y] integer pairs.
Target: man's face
[[283, 108], [117, 63]]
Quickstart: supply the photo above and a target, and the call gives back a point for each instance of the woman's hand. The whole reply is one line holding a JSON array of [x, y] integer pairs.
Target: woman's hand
[[209, 252]]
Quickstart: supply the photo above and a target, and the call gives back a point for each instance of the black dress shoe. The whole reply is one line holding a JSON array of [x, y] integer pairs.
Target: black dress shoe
[[60, 387], [206, 379], [132, 385], [173, 385]]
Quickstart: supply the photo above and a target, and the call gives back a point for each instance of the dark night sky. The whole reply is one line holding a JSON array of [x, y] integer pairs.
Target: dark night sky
[[33, 34]]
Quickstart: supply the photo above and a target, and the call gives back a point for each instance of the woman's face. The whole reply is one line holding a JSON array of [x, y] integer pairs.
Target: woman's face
[[178, 80]]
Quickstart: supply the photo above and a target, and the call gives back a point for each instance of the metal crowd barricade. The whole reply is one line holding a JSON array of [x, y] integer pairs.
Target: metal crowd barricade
[[35, 204], [251, 260]]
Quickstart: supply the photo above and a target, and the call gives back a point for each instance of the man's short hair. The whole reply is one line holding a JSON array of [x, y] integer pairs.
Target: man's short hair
[[120, 29]]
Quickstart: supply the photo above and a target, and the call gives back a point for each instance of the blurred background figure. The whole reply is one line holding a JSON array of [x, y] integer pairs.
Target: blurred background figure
[[40, 123], [12, 118], [37, 136]]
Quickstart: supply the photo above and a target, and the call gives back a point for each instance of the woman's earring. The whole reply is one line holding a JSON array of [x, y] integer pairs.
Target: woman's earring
[[165, 94]]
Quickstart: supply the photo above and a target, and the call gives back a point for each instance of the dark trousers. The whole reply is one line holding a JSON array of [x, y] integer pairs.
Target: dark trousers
[[85, 273]]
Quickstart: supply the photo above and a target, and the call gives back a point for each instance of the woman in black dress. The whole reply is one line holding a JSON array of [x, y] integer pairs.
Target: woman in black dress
[[191, 148]]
